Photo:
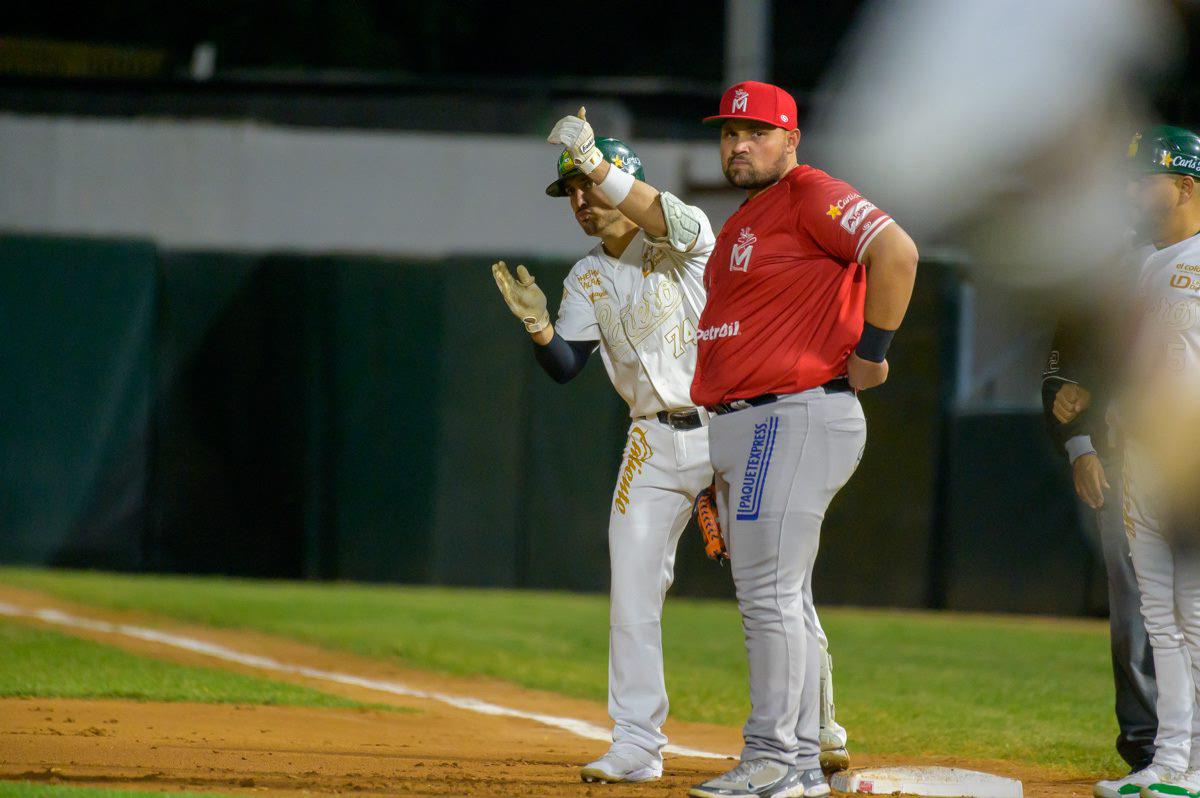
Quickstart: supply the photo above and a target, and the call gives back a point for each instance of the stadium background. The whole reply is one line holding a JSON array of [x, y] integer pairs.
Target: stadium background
[[248, 327]]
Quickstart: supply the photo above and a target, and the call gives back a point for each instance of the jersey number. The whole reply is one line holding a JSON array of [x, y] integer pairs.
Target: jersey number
[[681, 336]]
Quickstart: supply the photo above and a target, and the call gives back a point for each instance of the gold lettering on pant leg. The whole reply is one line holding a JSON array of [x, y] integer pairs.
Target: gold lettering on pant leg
[[637, 453]]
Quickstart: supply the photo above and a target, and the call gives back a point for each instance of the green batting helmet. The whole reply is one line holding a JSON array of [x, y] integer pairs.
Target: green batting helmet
[[615, 151], [1165, 149]]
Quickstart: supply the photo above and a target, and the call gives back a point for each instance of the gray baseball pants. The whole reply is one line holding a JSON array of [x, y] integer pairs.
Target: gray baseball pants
[[1132, 657], [777, 467]]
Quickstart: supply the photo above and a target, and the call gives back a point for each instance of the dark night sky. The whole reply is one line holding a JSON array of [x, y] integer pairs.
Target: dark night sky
[[467, 38], [448, 39]]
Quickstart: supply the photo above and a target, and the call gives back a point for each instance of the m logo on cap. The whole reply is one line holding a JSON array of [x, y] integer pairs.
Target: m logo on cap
[[772, 105]]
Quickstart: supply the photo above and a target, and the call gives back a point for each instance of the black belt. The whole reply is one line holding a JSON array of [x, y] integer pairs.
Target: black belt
[[839, 385], [681, 419]]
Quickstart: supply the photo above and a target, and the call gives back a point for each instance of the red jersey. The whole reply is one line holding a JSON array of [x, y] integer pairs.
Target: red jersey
[[785, 289]]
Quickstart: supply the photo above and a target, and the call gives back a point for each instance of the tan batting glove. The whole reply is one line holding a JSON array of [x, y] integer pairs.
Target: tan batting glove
[[574, 133], [523, 297]]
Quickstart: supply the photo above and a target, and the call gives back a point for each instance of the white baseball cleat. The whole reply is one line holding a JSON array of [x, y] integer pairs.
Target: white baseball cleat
[[1184, 785], [1132, 784], [615, 767], [835, 760], [834, 756]]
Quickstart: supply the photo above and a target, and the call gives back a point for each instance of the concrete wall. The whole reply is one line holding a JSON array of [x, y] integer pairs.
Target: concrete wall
[[244, 186]]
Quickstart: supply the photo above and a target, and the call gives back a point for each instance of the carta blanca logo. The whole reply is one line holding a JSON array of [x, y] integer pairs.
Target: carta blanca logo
[[750, 493], [1179, 161]]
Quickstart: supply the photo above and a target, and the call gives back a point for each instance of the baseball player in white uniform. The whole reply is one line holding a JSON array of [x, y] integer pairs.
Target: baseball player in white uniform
[[1163, 541], [636, 296]]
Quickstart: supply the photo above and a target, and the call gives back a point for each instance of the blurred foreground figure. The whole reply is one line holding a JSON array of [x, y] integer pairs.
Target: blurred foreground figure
[[995, 126], [992, 124], [1162, 408], [1156, 414]]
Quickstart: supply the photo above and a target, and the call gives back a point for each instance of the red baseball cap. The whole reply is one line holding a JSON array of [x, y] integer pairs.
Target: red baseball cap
[[761, 102]]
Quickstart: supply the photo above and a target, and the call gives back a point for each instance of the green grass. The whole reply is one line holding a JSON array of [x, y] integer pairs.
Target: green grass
[[41, 664], [26, 789], [1032, 691]]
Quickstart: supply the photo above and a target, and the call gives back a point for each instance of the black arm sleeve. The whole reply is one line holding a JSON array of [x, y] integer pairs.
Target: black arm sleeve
[[563, 359], [1074, 357], [1061, 433], [1091, 348]]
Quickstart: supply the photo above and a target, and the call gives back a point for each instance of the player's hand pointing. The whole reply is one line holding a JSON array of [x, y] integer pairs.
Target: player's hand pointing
[[1070, 401], [1090, 481], [574, 133], [523, 297], [865, 374]]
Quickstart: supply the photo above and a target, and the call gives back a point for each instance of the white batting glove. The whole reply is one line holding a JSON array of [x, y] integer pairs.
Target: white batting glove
[[574, 133], [523, 297]]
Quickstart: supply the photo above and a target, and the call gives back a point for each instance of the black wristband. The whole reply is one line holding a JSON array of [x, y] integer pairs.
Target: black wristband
[[874, 343]]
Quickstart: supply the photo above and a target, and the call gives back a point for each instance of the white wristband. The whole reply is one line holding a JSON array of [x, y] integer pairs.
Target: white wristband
[[1078, 446], [616, 185]]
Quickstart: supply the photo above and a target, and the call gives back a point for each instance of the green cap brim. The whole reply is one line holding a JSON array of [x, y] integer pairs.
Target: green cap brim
[[558, 187]]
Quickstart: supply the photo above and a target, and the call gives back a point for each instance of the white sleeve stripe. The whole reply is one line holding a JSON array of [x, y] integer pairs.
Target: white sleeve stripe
[[862, 245]]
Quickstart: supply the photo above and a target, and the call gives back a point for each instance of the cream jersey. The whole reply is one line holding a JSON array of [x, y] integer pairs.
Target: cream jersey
[[642, 308], [1169, 291]]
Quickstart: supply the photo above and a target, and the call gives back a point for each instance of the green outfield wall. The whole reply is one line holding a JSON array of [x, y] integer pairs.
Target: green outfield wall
[[382, 419]]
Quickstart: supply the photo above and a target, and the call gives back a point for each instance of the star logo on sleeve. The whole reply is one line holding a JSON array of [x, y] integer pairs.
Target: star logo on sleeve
[[834, 212]]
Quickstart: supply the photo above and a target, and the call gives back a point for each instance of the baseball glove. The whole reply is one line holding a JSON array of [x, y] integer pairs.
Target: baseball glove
[[705, 511]]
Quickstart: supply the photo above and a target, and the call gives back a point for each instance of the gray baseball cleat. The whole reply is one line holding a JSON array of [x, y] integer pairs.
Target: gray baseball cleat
[[764, 778], [615, 767]]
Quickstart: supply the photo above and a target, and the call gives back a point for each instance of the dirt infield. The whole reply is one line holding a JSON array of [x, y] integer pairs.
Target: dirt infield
[[428, 749]]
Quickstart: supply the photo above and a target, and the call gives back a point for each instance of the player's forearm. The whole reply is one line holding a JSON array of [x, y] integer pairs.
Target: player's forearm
[[641, 205], [891, 262], [562, 359], [543, 336]]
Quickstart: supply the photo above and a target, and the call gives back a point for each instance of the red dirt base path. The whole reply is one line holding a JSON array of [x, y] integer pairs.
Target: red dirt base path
[[426, 749]]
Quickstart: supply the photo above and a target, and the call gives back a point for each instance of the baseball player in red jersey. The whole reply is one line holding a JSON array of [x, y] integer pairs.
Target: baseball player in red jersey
[[807, 284]]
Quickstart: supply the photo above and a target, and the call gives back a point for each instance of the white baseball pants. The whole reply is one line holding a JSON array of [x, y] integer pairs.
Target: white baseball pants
[[1168, 576], [661, 472]]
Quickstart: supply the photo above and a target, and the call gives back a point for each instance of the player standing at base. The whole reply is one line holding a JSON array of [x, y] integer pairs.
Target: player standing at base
[[638, 295], [783, 347], [1165, 542]]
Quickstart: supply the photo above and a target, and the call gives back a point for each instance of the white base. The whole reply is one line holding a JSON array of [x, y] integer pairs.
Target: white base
[[935, 781]]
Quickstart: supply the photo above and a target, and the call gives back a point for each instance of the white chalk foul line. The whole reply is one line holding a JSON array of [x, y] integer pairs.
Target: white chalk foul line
[[575, 726]]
